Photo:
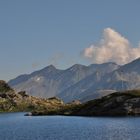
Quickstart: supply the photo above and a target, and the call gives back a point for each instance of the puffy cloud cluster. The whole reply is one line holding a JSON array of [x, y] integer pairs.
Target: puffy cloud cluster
[[113, 47]]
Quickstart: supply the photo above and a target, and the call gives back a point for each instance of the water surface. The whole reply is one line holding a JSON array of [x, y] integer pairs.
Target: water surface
[[16, 126]]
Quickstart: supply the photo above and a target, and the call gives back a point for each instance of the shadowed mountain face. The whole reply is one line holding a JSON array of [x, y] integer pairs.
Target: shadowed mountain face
[[80, 82]]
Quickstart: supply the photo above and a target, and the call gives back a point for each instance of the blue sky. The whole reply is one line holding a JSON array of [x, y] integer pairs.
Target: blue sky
[[36, 33]]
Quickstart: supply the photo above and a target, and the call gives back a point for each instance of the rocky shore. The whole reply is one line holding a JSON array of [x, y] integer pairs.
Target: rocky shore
[[125, 103], [12, 101]]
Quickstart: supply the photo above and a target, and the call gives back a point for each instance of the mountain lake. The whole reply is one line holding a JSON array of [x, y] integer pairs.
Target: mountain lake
[[16, 126]]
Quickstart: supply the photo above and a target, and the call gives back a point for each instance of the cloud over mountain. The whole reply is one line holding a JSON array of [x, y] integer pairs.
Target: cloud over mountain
[[113, 47]]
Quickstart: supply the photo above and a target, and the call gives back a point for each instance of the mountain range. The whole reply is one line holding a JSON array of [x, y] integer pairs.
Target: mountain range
[[80, 82]]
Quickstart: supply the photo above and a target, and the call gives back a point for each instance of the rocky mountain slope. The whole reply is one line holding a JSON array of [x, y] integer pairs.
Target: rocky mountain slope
[[117, 104], [80, 82], [51, 81], [11, 101], [125, 77]]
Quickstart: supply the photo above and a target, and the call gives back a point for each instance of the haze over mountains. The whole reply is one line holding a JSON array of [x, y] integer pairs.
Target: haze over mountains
[[80, 82]]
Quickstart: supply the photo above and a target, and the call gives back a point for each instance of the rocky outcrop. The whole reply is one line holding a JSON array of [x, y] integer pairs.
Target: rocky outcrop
[[4, 87], [11, 101], [116, 104]]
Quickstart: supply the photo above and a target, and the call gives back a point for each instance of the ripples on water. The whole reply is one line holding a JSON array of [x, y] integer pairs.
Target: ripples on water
[[16, 126]]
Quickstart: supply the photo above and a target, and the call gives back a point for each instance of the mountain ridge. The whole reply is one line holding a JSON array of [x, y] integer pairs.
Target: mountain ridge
[[79, 81]]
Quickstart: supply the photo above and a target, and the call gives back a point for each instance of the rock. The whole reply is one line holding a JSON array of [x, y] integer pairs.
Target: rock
[[75, 102], [28, 114], [10, 101], [4, 87], [23, 94], [117, 104]]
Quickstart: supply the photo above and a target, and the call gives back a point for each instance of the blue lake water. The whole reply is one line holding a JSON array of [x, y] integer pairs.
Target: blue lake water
[[16, 126]]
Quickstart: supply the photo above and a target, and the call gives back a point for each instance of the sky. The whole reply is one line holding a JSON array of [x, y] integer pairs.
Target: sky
[[37, 33]]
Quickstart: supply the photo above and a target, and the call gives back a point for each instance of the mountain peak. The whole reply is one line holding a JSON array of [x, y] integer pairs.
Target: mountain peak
[[49, 68], [136, 60], [133, 63], [104, 64], [77, 67]]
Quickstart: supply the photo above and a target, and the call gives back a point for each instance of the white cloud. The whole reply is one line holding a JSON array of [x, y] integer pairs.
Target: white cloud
[[113, 47]]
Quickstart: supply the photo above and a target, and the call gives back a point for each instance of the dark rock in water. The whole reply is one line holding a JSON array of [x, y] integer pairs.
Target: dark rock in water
[[28, 114]]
